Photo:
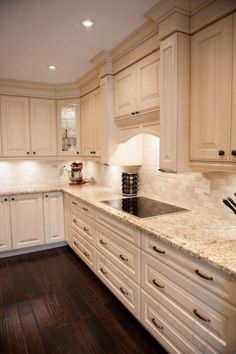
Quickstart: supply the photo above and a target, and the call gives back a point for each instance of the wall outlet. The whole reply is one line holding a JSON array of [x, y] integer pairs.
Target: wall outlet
[[206, 186]]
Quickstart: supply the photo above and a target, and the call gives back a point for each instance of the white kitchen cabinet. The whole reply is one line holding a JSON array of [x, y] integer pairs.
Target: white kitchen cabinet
[[27, 220], [43, 127], [174, 113], [67, 218], [53, 217], [211, 73], [91, 125], [5, 225], [136, 89], [15, 126], [233, 116], [68, 122]]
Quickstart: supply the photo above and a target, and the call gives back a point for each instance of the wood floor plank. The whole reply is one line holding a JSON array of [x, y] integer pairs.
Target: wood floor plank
[[51, 303]]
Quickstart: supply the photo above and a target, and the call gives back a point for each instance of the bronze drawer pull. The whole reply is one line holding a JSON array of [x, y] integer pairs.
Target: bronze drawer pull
[[76, 244], [75, 221], [85, 209], [102, 242], [123, 291], [85, 229], [74, 203], [202, 275], [158, 285], [157, 250], [156, 325], [103, 271], [123, 258], [201, 317], [86, 254]]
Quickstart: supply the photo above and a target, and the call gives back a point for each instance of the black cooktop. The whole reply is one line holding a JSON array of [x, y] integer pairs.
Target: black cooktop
[[143, 207]]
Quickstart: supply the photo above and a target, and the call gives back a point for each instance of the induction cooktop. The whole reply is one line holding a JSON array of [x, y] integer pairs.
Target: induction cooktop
[[143, 207]]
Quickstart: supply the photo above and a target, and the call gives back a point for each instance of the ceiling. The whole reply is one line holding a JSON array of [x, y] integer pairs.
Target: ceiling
[[36, 33]]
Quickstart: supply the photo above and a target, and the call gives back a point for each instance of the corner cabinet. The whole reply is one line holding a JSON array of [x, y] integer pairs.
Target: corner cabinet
[[43, 127], [53, 217], [5, 224], [27, 220], [91, 125], [15, 126], [136, 89], [68, 123]]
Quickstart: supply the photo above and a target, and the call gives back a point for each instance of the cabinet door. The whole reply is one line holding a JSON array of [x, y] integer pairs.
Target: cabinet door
[[67, 218], [211, 73], [148, 91], [68, 122], [53, 217], [15, 126], [87, 120], [97, 124], [5, 225], [233, 117], [125, 92], [27, 220], [43, 127]]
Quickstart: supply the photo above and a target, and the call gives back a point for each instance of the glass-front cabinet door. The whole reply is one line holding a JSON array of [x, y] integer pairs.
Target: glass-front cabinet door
[[68, 127]]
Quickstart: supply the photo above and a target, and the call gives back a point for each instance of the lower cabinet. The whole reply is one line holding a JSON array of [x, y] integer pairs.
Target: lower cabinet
[[53, 217], [188, 306], [5, 225], [27, 220]]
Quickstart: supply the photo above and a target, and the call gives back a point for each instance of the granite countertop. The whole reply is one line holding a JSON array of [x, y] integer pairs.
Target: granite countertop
[[212, 239]]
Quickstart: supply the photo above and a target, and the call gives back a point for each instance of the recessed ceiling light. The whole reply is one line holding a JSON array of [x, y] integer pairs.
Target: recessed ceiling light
[[52, 67], [87, 22]]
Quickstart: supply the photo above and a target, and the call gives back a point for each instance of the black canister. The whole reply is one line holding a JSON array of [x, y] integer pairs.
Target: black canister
[[129, 184]]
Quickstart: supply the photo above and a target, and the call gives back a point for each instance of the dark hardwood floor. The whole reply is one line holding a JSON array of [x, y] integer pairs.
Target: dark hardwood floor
[[50, 302]]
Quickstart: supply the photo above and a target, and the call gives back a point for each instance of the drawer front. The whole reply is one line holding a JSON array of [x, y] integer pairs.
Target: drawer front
[[161, 324], [200, 273], [83, 249], [84, 225], [127, 232], [207, 322], [122, 287], [82, 207], [120, 252]]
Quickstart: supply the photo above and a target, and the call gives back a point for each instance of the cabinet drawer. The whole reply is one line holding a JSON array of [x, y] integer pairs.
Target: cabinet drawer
[[82, 207], [83, 249], [122, 287], [209, 320], [165, 327], [201, 274], [127, 232], [84, 225], [120, 252]]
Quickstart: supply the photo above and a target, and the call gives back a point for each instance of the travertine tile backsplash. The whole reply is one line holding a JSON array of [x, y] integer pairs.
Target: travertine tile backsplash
[[203, 191]]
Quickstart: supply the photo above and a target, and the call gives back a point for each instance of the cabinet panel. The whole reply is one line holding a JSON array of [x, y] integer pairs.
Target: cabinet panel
[[97, 125], [67, 218], [211, 72], [5, 225], [68, 123], [27, 220], [148, 91], [233, 117], [83, 249], [87, 113], [53, 217], [43, 127], [125, 92], [15, 125]]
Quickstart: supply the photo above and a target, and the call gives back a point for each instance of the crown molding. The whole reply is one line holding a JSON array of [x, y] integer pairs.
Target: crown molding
[[35, 89], [88, 82]]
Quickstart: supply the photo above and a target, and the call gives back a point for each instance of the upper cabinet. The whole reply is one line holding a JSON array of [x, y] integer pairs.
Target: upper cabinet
[[43, 127], [68, 122], [211, 89], [28, 127], [136, 89], [15, 126], [91, 125], [233, 116]]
